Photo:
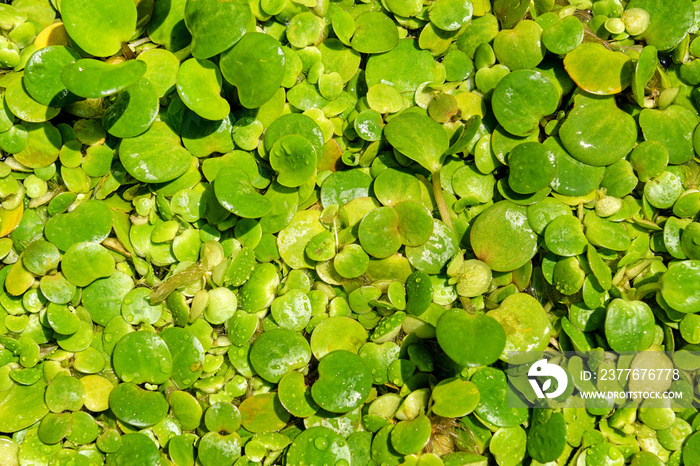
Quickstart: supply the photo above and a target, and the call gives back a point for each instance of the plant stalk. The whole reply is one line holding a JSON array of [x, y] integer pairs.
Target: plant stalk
[[644, 290], [440, 200]]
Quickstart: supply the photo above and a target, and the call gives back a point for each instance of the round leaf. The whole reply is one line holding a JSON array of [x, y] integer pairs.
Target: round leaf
[[406, 67], [318, 446], [90, 221], [133, 112], [235, 192], [597, 132], [293, 157], [672, 127], [532, 167], [598, 70], [629, 325], [501, 236], [679, 286], [457, 334], [668, 23], [343, 384], [525, 323], [521, 99], [277, 352], [155, 156], [99, 28], [136, 406], [262, 58], [375, 32], [142, 357], [42, 75], [94, 79], [215, 26], [83, 263]]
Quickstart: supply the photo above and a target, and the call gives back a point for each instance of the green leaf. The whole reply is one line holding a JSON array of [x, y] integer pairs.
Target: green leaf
[[255, 65], [215, 26], [94, 79], [99, 28], [419, 138]]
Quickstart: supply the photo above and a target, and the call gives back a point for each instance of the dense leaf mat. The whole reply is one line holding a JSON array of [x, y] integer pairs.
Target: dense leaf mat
[[309, 232]]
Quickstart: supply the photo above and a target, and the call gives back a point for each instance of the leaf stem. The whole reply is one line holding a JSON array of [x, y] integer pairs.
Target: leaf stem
[[440, 200], [646, 289], [467, 305], [127, 51], [189, 275]]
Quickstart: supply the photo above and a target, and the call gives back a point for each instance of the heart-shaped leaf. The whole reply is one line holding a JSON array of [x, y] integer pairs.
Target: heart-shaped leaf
[[155, 156], [235, 192], [457, 333], [199, 86], [255, 65], [598, 70], [99, 28], [343, 384], [215, 26], [90, 221], [42, 75], [419, 138]]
